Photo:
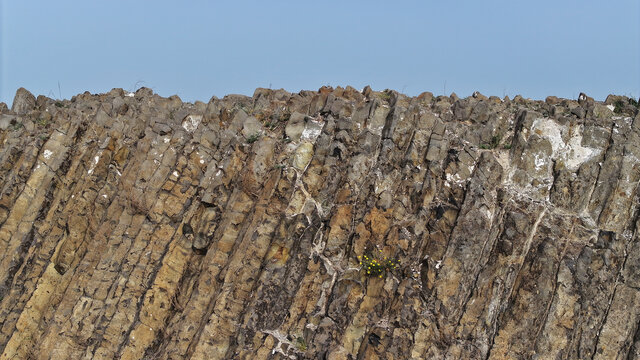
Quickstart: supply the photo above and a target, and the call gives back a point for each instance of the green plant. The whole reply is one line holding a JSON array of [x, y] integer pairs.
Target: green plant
[[301, 345], [375, 267], [59, 104], [42, 122], [495, 141], [271, 125], [253, 138], [386, 95], [506, 146], [620, 106]]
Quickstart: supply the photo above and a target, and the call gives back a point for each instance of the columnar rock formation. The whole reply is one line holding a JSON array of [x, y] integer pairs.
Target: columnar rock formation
[[139, 227]]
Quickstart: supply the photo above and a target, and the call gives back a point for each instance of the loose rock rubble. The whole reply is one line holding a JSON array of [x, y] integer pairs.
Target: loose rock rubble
[[134, 226]]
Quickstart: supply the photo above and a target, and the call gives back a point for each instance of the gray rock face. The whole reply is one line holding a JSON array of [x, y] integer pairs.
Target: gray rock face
[[332, 224], [6, 120], [23, 102]]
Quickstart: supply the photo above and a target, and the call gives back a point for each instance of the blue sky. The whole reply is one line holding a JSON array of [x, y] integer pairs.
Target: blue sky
[[197, 49]]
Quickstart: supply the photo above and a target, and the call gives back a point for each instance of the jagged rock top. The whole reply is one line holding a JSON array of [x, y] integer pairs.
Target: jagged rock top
[[325, 224]]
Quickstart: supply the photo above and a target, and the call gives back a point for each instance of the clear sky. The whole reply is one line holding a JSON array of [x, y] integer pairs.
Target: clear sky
[[197, 49]]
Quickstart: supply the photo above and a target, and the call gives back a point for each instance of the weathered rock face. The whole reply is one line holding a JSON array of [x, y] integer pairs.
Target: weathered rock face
[[134, 226]]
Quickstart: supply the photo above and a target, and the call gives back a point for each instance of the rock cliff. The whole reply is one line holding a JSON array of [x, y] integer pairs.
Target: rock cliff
[[334, 224]]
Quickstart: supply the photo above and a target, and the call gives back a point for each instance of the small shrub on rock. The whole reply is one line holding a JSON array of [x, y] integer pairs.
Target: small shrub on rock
[[253, 138], [377, 267]]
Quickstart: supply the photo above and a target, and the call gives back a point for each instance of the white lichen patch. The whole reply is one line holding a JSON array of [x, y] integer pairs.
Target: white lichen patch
[[47, 154], [488, 214], [570, 151], [312, 130], [191, 122], [199, 158], [575, 154], [550, 130], [454, 179], [539, 162], [94, 163], [471, 168], [376, 123], [384, 182], [282, 340]]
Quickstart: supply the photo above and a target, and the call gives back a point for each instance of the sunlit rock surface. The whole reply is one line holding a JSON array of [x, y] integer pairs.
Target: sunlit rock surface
[[139, 227]]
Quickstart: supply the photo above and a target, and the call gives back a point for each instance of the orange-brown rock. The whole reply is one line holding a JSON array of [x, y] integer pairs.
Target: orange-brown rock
[[134, 226]]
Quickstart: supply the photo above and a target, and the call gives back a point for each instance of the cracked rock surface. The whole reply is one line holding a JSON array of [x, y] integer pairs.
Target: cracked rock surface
[[134, 226]]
